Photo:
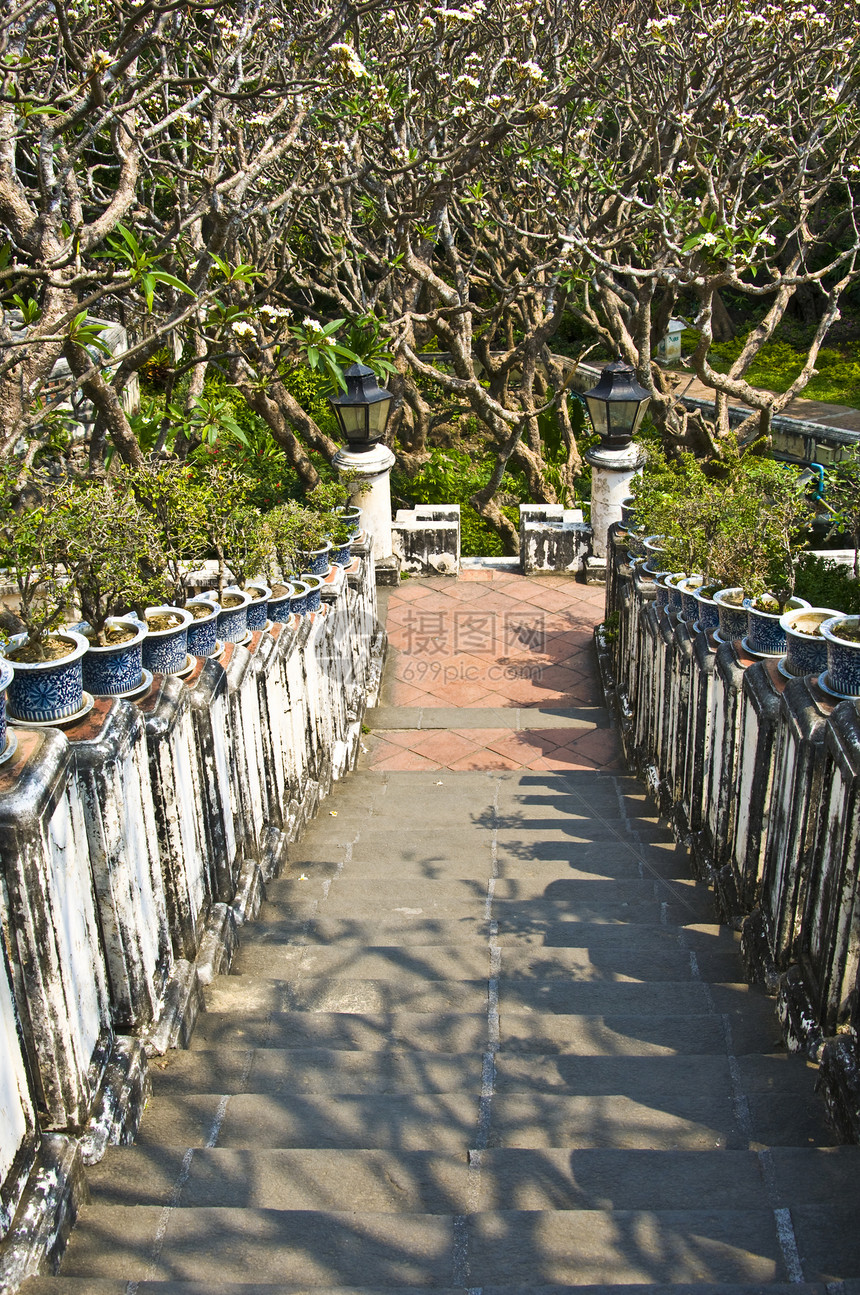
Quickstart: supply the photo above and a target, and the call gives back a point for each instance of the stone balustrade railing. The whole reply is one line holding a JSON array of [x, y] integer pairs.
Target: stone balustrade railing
[[131, 850], [759, 775]]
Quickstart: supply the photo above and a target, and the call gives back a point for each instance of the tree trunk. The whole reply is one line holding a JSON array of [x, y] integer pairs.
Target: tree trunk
[[277, 424], [106, 402]]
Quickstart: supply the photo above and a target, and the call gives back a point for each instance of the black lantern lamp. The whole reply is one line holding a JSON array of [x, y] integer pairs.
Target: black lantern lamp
[[617, 405], [362, 410]]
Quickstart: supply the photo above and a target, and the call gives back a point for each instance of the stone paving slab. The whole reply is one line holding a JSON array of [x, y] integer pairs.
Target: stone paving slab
[[424, 1031], [408, 993], [424, 1182], [393, 1120], [315, 1248], [314, 1070], [623, 1247]]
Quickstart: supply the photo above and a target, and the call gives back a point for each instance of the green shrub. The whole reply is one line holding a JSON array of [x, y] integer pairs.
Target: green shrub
[[826, 583]]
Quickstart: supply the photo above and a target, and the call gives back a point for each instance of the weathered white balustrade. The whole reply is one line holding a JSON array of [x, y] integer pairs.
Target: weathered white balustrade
[[760, 777], [132, 847]]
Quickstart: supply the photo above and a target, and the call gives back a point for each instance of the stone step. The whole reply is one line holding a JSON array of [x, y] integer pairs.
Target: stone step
[[423, 1031], [407, 1121], [412, 992], [429, 1182], [442, 1121], [260, 954], [112, 1286], [324, 994], [587, 888], [399, 909], [322, 1249], [317, 1070], [332, 1071], [476, 858], [618, 1035], [410, 927], [757, 1074]]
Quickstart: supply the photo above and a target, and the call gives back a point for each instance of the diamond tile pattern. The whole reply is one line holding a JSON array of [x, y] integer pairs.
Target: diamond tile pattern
[[493, 639]]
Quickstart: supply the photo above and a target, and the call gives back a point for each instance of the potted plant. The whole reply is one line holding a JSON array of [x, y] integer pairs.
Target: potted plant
[[332, 499], [47, 684], [114, 562], [299, 597], [341, 538], [313, 585], [178, 502], [299, 539], [226, 513], [248, 544], [203, 638], [842, 677], [165, 648], [805, 644], [777, 494]]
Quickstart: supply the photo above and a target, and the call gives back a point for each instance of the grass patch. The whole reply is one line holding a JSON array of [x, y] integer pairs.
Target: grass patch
[[778, 363]]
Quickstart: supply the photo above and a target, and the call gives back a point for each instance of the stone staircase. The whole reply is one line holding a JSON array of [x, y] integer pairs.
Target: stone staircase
[[484, 1036]]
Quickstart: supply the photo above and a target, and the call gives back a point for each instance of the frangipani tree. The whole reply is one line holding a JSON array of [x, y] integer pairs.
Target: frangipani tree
[[463, 174]]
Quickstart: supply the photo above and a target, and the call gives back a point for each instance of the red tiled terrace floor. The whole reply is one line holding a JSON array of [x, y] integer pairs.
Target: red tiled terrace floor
[[493, 641]]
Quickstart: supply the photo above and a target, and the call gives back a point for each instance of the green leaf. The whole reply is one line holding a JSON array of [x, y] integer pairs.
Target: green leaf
[[161, 276]]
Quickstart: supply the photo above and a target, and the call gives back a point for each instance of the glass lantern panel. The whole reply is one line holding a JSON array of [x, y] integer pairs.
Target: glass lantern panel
[[622, 416], [643, 405], [352, 417], [377, 416], [597, 410]]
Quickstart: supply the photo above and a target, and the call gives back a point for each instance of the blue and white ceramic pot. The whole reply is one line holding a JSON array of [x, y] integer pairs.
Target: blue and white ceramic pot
[[258, 607], [117, 668], [7, 674], [672, 583], [843, 655], [765, 635], [653, 554], [299, 597], [279, 603], [661, 588], [687, 588], [316, 560], [707, 611], [314, 594], [732, 614], [165, 651], [805, 649], [628, 511], [351, 517], [45, 691], [635, 543], [341, 554], [203, 630], [233, 616]]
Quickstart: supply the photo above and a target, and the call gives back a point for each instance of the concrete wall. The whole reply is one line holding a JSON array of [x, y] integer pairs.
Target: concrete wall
[[760, 776], [426, 539], [132, 847], [553, 538]]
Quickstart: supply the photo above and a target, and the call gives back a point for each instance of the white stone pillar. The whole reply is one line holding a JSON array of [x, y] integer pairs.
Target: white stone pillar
[[371, 491], [611, 474]]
